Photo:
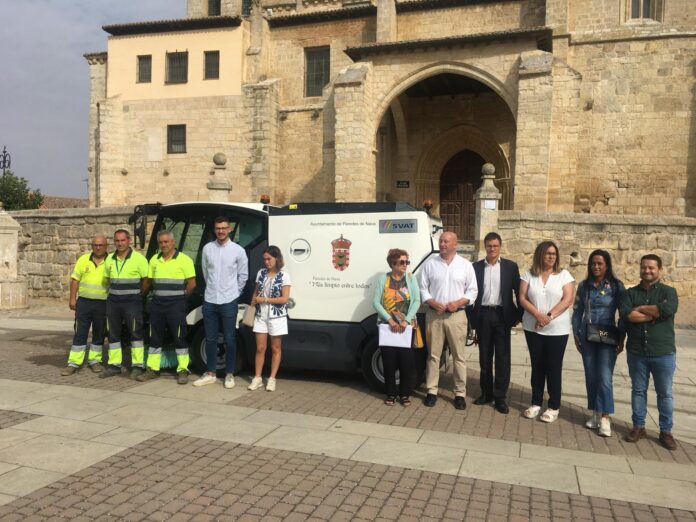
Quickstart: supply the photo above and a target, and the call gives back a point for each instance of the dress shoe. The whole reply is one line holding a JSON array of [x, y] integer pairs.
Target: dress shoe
[[635, 434], [483, 399], [430, 400], [667, 440], [459, 403], [502, 406]]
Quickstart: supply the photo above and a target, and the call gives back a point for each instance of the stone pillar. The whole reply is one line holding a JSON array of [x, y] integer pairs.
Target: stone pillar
[[13, 291], [355, 167], [261, 101], [97, 94], [219, 187], [386, 21], [487, 199], [534, 108]]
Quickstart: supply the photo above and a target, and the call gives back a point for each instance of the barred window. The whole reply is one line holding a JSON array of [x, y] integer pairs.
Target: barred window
[[317, 70], [212, 65], [176, 139], [177, 67], [145, 68], [213, 7]]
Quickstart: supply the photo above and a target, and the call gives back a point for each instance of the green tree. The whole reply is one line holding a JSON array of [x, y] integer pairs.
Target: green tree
[[15, 193]]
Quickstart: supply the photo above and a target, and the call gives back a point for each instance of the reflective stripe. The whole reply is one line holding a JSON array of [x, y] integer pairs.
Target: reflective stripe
[[124, 292], [95, 354], [164, 281], [167, 293], [137, 355], [78, 349], [115, 355], [93, 287], [182, 362], [154, 351], [125, 280], [137, 344], [182, 351], [154, 359], [116, 345]]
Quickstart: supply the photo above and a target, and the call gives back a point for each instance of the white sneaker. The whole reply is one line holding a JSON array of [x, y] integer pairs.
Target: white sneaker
[[593, 422], [256, 383], [205, 379], [605, 427], [270, 385], [229, 382]]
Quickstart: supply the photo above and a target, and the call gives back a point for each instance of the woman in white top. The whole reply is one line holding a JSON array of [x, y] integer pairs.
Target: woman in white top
[[546, 293], [271, 296]]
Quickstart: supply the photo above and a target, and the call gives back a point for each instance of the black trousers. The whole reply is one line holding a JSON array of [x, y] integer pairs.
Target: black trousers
[[546, 354], [89, 312], [129, 313], [169, 314], [401, 359], [494, 343]]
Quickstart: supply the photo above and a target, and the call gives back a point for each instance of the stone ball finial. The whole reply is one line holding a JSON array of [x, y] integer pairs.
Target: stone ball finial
[[488, 169], [219, 159]]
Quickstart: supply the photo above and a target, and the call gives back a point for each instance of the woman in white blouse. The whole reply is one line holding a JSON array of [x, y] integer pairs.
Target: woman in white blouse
[[546, 294]]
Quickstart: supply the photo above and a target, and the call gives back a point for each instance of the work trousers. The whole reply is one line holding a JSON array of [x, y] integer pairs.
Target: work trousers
[[450, 327], [402, 360], [494, 343], [88, 313], [129, 313], [546, 354], [171, 314]]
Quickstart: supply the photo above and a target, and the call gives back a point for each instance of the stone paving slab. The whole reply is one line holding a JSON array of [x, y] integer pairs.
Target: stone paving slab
[[410, 455], [11, 436], [230, 430], [59, 454], [23, 480], [141, 417], [636, 488], [341, 445], [463, 441], [579, 458], [376, 430], [9, 418], [71, 428]]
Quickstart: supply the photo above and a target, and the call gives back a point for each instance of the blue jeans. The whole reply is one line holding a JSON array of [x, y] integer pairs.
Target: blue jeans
[[213, 315], [662, 368], [599, 360]]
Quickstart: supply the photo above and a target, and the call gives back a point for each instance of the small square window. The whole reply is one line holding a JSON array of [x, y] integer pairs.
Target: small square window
[[145, 68], [214, 8], [176, 139], [212, 65], [177, 67], [645, 10], [317, 70]]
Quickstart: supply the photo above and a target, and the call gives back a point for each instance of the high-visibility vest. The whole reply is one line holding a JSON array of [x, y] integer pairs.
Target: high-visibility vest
[[125, 275], [91, 276], [169, 275]]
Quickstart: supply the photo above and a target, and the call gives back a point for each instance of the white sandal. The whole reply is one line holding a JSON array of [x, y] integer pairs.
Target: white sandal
[[549, 415], [532, 412]]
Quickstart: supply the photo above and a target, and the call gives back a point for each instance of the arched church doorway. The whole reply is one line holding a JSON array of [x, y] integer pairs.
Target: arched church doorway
[[460, 179]]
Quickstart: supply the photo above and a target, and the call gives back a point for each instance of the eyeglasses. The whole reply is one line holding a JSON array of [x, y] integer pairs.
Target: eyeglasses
[[402, 262], [95, 245]]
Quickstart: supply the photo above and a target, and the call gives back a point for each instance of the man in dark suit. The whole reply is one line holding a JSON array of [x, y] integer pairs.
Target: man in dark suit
[[493, 316]]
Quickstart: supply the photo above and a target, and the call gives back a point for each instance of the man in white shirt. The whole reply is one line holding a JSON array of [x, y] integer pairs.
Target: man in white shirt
[[448, 285], [225, 270]]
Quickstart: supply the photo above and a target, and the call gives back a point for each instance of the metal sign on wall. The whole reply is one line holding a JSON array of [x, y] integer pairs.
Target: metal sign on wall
[[402, 183]]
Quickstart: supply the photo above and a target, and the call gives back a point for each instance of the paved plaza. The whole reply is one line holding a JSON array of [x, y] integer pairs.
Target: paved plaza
[[323, 447]]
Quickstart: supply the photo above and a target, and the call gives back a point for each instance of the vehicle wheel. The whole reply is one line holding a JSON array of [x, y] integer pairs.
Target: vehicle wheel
[[372, 367], [199, 357]]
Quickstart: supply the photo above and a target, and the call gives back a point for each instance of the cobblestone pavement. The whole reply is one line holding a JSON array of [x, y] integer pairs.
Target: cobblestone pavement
[[182, 478], [112, 460]]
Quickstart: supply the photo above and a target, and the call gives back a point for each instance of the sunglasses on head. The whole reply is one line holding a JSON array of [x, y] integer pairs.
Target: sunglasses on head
[[402, 262]]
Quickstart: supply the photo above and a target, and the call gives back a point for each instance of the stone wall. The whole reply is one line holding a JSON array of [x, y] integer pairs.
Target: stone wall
[[51, 241], [626, 238]]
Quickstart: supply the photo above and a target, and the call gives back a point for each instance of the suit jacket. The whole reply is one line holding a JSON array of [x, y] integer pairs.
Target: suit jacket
[[509, 284]]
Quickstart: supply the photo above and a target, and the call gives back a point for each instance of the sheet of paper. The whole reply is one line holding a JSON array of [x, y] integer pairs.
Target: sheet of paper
[[389, 338]]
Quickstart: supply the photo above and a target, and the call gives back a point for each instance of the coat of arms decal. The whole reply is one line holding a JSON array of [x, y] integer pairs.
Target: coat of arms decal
[[340, 256]]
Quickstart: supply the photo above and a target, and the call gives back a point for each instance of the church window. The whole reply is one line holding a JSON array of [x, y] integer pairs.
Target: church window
[[317, 70], [145, 68], [645, 9], [177, 67], [212, 65], [176, 139], [214, 8]]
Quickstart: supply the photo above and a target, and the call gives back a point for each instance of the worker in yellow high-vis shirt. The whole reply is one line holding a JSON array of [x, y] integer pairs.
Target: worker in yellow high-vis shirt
[[88, 291], [172, 278], [126, 270]]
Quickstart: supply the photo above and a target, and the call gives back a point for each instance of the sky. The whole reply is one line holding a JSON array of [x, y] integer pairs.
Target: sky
[[44, 88]]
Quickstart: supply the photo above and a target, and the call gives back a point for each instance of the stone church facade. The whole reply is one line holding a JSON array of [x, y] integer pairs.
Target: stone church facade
[[582, 106]]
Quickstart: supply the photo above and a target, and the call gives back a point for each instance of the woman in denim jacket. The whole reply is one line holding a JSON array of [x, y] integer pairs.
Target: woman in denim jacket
[[596, 302]]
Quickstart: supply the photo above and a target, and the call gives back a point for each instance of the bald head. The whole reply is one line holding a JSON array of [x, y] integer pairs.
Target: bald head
[[448, 245], [99, 245]]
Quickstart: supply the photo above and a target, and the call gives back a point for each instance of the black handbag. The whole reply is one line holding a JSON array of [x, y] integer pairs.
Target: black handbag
[[596, 333], [603, 334]]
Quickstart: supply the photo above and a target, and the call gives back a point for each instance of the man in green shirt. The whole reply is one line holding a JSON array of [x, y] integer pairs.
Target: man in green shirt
[[648, 310]]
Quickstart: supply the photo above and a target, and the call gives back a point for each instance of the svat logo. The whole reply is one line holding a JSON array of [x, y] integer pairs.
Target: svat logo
[[398, 226], [340, 256]]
